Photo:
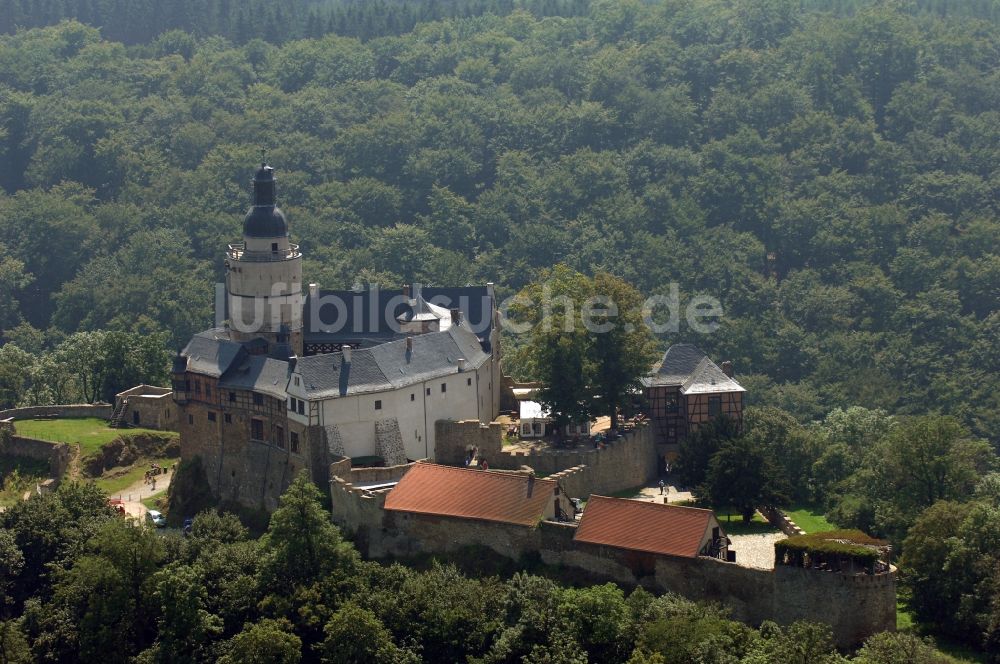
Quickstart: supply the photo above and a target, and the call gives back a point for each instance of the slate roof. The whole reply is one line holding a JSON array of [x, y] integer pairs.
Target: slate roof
[[371, 316], [389, 365], [258, 373], [707, 378], [638, 525], [471, 494], [687, 367], [211, 352]]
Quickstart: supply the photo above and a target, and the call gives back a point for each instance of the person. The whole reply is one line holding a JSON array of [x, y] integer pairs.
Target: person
[[154, 484], [483, 464], [661, 487]]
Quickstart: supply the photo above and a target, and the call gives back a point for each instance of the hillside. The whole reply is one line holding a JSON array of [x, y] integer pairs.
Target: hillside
[[832, 179]]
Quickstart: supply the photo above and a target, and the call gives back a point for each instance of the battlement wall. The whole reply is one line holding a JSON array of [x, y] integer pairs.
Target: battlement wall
[[63, 411]]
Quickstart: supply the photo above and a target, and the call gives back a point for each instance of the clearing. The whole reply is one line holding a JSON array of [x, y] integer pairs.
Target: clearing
[[90, 433], [809, 519]]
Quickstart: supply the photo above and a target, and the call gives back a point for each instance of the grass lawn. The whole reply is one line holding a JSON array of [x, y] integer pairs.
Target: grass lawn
[[809, 519], [732, 523], [116, 484], [90, 432]]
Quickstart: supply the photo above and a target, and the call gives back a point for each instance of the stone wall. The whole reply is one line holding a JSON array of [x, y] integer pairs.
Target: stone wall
[[626, 463], [58, 455], [343, 469], [100, 411], [453, 440], [154, 412], [854, 606]]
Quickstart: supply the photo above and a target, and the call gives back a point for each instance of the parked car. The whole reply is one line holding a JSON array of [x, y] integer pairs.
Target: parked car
[[156, 519]]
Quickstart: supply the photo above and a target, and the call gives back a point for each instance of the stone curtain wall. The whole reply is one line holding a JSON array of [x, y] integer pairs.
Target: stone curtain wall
[[100, 411], [343, 469], [855, 606], [453, 440], [629, 462], [58, 455]]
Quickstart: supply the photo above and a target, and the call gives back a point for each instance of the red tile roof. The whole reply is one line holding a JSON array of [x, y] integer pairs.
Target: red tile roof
[[471, 494], [643, 526]]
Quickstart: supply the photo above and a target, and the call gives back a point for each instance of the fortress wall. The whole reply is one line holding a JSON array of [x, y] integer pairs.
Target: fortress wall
[[58, 455], [342, 468], [452, 440], [624, 464], [67, 411], [856, 606]]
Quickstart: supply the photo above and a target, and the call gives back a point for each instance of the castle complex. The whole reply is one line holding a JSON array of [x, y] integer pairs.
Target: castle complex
[[294, 380]]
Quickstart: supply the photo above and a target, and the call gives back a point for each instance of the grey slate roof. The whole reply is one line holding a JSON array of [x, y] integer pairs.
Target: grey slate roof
[[389, 365], [257, 373], [687, 367], [370, 316], [211, 352], [708, 377]]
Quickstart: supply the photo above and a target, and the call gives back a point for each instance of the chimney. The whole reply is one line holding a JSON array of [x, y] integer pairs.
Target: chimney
[[409, 344], [313, 291], [346, 350], [406, 291], [292, 361], [531, 484], [456, 316], [461, 364], [727, 368]]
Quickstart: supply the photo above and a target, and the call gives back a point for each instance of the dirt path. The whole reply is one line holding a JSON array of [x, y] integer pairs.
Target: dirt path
[[133, 495]]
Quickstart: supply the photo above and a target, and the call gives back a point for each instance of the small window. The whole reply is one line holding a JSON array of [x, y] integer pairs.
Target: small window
[[228, 418], [302, 407], [444, 387], [232, 397], [190, 419], [211, 416], [378, 404], [714, 406], [468, 381], [526, 429], [258, 399], [428, 391], [296, 381], [291, 404], [671, 404], [413, 397], [208, 390], [274, 247], [293, 439], [257, 429]]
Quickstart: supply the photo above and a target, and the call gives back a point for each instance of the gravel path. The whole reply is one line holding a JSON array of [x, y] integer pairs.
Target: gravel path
[[755, 550]]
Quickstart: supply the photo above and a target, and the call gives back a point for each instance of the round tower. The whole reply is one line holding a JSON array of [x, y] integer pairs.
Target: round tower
[[264, 273]]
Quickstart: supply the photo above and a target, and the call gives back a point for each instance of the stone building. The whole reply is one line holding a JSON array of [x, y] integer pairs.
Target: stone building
[[292, 382]]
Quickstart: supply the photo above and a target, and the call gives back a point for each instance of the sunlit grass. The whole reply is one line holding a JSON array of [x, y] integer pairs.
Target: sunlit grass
[[90, 432]]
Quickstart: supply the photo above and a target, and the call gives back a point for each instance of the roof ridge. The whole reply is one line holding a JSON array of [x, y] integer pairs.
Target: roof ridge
[[649, 503]]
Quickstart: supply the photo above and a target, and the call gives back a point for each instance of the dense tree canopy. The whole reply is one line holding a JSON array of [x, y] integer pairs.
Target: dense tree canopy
[[831, 178]]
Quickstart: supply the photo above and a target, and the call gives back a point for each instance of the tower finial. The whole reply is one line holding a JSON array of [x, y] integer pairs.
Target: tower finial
[[263, 156]]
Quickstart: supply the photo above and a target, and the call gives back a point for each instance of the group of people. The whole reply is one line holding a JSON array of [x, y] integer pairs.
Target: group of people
[[481, 462]]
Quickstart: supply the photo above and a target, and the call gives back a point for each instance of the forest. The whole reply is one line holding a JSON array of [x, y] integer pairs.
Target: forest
[[93, 588], [829, 170], [830, 177]]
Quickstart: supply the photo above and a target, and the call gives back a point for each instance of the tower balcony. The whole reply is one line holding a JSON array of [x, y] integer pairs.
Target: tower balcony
[[238, 252]]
